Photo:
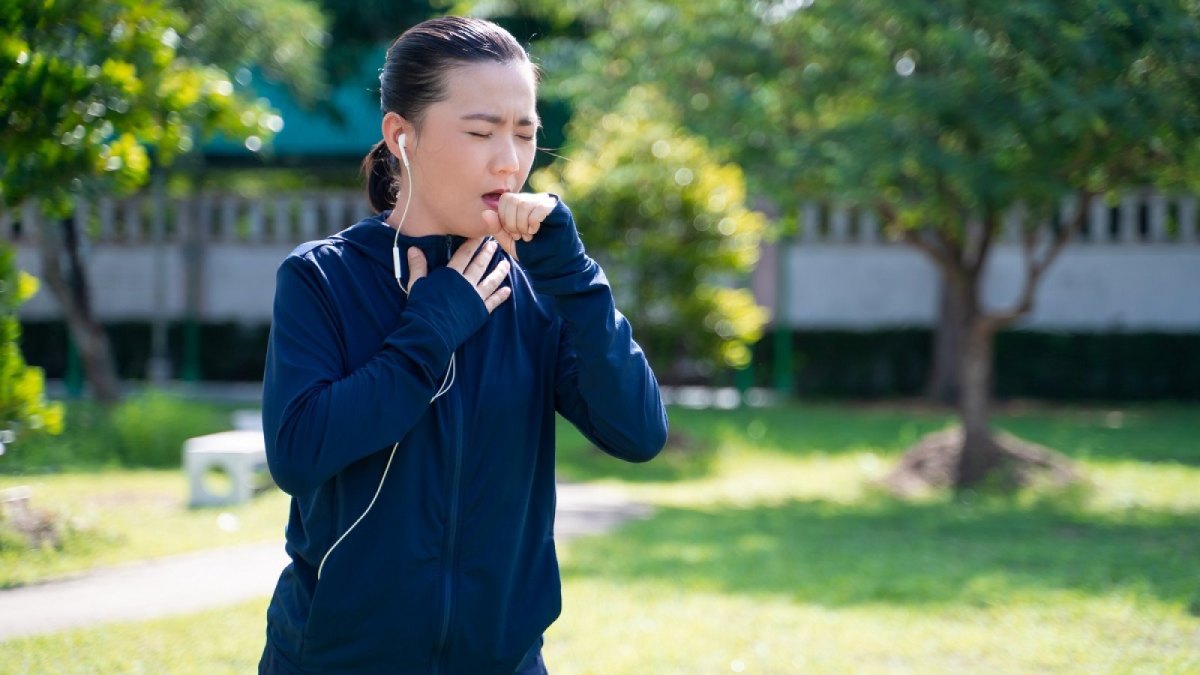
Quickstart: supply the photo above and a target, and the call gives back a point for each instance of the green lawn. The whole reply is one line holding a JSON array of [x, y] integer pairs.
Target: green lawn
[[117, 516], [771, 551]]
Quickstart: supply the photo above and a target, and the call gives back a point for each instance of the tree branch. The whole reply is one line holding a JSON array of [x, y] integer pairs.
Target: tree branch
[[942, 258], [1035, 268], [953, 248], [990, 225]]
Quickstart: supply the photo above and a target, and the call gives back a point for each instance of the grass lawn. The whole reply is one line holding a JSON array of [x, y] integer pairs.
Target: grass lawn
[[771, 552], [118, 516]]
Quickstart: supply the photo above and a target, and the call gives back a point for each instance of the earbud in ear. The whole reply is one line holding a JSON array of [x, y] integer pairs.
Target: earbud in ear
[[400, 140]]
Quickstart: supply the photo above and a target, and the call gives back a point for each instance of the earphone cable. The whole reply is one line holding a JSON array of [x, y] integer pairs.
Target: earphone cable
[[447, 381]]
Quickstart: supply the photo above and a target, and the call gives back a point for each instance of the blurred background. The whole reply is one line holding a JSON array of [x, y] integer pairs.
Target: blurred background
[[921, 281]]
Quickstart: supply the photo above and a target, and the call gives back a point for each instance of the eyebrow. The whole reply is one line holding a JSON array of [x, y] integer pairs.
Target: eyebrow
[[496, 119]]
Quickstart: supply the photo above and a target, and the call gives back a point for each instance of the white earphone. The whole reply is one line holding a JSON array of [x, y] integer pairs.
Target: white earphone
[[447, 381], [400, 140]]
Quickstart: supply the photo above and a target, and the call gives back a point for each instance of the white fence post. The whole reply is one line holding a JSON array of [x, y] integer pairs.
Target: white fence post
[[1157, 206], [254, 221], [1187, 219], [283, 220], [1099, 228], [839, 224], [131, 227], [229, 206], [810, 225], [1127, 219], [308, 218], [335, 213], [106, 212], [868, 226]]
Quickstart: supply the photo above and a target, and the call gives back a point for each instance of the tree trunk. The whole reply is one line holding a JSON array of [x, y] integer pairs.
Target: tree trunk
[[944, 373], [71, 290], [980, 453]]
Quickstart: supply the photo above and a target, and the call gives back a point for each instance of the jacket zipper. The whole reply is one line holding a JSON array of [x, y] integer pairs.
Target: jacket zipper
[[451, 537]]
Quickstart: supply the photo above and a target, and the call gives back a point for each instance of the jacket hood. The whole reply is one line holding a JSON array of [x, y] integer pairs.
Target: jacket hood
[[373, 237]]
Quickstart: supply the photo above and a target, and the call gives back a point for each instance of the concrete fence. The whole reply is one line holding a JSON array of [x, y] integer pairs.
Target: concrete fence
[[1135, 265]]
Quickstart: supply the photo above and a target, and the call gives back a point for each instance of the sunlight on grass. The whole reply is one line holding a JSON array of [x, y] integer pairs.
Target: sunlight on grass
[[130, 515], [624, 627], [770, 550], [746, 475], [215, 642], [1130, 485], [662, 628], [752, 477]]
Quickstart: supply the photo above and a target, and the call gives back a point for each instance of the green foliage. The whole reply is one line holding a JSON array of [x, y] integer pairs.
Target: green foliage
[[932, 110], [23, 405], [91, 89], [362, 30], [145, 430], [152, 427], [671, 224], [948, 109], [11, 539], [284, 39]]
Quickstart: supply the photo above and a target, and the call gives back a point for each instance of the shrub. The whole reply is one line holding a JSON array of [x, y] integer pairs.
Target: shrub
[[145, 430], [151, 427]]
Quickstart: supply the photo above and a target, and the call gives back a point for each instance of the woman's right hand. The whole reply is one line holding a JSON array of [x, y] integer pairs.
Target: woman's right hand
[[471, 261]]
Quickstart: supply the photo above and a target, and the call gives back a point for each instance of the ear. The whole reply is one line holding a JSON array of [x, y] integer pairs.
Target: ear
[[392, 126]]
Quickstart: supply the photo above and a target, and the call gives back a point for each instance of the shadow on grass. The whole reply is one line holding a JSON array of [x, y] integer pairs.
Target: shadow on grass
[[1167, 433], [1143, 434], [792, 430], [911, 554]]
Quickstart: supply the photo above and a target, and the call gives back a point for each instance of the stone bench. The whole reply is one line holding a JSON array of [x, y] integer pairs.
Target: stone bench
[[240, 454]]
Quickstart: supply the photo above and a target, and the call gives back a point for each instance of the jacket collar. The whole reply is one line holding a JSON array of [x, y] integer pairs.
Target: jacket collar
[[372, 237]]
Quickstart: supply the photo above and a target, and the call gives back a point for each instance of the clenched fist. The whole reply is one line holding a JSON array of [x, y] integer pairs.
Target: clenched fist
[[518, 216]]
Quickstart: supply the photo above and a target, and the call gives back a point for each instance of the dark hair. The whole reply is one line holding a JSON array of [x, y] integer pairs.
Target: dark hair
[[412, 78]]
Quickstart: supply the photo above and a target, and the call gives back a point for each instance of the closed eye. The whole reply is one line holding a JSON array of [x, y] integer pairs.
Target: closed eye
[[476, 134]]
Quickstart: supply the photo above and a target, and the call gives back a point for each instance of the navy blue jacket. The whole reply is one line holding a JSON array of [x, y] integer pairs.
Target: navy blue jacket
[[452, 569]]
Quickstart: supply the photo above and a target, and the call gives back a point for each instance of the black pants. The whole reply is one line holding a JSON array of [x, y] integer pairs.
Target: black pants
[[531, 665]]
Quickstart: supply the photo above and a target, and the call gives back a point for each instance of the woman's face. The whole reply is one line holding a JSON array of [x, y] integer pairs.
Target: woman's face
[[470, 147]]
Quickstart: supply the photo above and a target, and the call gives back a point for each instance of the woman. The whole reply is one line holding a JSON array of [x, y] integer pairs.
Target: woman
[[415, 365]]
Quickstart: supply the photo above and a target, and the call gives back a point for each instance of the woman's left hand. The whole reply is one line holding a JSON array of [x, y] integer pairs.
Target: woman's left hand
[[518, 217]]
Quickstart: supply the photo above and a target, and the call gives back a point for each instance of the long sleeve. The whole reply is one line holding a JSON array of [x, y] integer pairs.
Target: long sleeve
[[317, 417], [603, 385]]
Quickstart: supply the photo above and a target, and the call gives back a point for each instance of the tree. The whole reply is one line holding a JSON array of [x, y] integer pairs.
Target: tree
[[95, 93], [23, 406], [360, 31], [672, 227], [941, 116]]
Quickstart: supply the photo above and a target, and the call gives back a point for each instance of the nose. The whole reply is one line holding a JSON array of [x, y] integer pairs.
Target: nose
[[505, 160]]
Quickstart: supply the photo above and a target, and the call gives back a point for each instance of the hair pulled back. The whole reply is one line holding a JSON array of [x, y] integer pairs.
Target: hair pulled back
[[413, 77]]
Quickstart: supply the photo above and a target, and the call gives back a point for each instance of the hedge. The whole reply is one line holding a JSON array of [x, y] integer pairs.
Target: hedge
[[836, 364]]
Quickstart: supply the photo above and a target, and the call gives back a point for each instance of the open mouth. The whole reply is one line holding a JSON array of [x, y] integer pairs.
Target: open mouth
[[492, 199]]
